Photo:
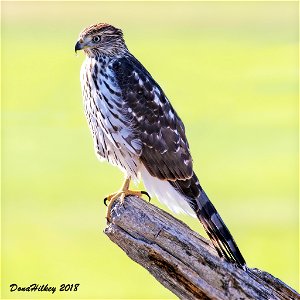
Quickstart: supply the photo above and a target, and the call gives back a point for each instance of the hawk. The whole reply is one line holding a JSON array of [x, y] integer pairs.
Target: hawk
[[135, 127]]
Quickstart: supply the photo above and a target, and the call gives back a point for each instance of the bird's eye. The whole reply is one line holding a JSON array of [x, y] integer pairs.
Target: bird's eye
[[96, 39]]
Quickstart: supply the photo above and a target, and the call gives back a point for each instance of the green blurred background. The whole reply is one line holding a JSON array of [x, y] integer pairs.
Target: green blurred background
[[230, 70]]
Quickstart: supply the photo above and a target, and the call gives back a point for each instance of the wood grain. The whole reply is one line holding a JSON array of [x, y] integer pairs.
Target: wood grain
[[183, 261]]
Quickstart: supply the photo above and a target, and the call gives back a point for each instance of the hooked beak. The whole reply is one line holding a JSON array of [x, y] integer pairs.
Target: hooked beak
[[79, 45]]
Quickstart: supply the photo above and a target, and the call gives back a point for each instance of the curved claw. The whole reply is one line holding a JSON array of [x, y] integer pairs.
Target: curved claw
[[104, 201], [145, 193]]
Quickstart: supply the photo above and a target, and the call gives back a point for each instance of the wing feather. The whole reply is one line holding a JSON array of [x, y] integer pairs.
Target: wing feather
[[153, 121]]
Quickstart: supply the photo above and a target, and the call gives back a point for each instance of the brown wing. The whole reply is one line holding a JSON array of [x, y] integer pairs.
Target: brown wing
[[153, 121]]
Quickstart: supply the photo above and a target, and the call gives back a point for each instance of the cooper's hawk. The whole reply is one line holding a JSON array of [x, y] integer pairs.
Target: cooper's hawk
[[135, 127]]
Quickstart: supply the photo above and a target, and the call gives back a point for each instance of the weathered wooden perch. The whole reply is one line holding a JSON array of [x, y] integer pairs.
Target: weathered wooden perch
[[182, 260]]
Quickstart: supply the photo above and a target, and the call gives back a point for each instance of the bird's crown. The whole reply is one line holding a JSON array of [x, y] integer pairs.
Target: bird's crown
[[101, 28]]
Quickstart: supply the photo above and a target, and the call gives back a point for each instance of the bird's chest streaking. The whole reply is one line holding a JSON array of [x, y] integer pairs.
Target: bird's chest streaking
[[104, 110]]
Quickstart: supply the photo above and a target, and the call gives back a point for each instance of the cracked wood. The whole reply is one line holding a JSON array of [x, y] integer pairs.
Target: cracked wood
[[183, 261]]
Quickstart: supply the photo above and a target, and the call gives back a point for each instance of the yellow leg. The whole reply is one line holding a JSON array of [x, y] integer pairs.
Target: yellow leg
[[122, 193]]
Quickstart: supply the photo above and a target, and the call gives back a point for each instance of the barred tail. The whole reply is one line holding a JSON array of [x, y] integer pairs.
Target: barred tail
[[210, 219], [217, 230]]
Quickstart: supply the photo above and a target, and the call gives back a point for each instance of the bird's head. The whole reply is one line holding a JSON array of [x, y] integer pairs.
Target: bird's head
[[100, 39]]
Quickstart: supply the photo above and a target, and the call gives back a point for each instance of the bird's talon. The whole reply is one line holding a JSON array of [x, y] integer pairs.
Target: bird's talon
[[104, 201], [122, 197], [145, 193]]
